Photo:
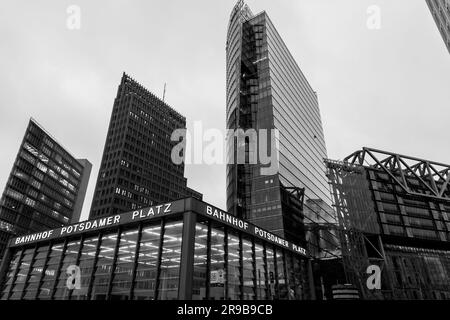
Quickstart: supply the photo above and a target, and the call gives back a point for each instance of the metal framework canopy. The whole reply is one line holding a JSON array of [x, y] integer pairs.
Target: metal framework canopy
[[415, 176]]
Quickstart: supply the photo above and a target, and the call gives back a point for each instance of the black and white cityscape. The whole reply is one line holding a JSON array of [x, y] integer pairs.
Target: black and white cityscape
[[232, 150]]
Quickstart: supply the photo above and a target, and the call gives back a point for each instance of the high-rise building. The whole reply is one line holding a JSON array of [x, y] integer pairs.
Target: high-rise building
[[394, 214], [440, 9], [46, 187], [265, 89], [136, 169]]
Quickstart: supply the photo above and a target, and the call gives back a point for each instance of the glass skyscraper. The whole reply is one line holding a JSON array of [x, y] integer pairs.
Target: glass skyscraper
[[265, 89], [46, 187], [440, 9]]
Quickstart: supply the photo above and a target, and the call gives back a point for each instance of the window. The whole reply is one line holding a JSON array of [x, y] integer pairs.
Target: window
[[27, 157], [170, 262], [36, 184], [248, 271], [46, 151], [14, 194], [144, 288], [53, 174], [271, 273], [70, 258], [294, 286], [36, 273], [30, 202], [42, 167], [217, 265], [34, 194], [261, 286], [200, 260], [10, 274], [121, 283], [50, 271], [234, 272], [22, 272], [281, 275], [103, 268]]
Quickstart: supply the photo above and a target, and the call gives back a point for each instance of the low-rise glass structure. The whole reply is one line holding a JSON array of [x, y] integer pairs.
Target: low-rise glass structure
[[185, 249]]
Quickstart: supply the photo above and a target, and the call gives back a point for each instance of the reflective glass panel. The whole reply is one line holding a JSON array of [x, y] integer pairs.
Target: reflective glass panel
[[103, 267], [261, 285], [144, 287], [234, 272], [51, 266], [248, 271], [36, 273], [200, 258], [123, 272], [170, 262], [69, 259], [217, 265], [86, 265]]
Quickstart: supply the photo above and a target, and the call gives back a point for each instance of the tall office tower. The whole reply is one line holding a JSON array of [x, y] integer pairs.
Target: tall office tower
[[46, 187], [265, 89], [137, 170], [440, 9]]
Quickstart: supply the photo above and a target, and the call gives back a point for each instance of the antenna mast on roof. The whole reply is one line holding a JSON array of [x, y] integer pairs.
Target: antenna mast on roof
[[164, 93]]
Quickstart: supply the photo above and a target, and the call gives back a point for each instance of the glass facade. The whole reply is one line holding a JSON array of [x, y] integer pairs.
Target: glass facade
[[265, 89], [146, 269], [45, 189], [169, 271], [144, 261], [440, 9], [216, 285], [408, 230], [86, 263], [418, 273]]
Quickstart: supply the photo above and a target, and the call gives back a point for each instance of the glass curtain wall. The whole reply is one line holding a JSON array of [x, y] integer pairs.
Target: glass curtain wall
[[169, 275], [86, 264], [123, 271], [129, 264], [145, 279]]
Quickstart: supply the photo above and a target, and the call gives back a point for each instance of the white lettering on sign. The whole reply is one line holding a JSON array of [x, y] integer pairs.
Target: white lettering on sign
[[152, 211], [218, 214], [298, 249], [271, 237], [88, 225], [34, 237]]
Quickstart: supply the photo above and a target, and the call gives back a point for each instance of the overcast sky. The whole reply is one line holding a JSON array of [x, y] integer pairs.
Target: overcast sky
[[386, 88]]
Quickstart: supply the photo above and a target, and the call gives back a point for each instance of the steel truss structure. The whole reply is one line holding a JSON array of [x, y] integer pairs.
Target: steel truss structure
[[347, 182], [361, 185], [434, 177]]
